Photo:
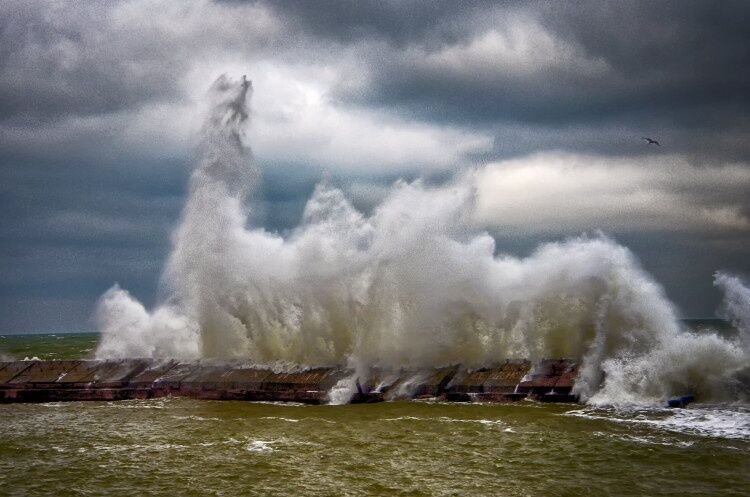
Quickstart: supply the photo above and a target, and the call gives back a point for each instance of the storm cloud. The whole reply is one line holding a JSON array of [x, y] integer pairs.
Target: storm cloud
[[545, 103]]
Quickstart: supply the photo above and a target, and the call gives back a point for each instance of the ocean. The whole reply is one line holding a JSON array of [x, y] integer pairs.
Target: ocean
[[178, 446]]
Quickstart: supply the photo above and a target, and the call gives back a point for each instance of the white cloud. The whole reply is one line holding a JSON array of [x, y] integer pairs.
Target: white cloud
[[559, 192], [135, 75], [519, 48], [295, 119], [729, 216]]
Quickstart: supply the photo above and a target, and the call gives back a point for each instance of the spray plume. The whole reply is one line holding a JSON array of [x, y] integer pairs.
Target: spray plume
[[412, 285]]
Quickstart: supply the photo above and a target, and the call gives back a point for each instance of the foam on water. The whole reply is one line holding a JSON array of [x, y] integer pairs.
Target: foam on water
[[260, 446], [647, 440], [731, 422], [195, 418], [414, 284], [279, 418], [446, 419]]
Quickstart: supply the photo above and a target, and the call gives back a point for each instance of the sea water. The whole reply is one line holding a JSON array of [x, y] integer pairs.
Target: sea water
[[178, 446]]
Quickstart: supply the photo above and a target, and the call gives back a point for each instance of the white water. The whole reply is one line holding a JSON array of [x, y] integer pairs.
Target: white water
[[413, 284], [730, 422]]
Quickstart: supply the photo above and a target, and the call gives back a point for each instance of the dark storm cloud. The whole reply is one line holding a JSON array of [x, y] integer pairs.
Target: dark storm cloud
[[62, 59], [98, 122], [677, 68], [657, 62], [55, 63], [658, 54], [398, 22]]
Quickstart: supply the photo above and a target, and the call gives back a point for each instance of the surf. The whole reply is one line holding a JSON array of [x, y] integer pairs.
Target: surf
[[414, 284]]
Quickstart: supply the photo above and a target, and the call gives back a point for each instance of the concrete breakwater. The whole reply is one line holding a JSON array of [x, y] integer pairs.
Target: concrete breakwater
[[550, 380]]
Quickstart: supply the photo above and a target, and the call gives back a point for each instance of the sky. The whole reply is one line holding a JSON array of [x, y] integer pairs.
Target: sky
[[101, 104]]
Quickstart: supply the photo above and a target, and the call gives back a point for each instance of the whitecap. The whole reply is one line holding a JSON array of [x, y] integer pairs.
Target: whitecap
[[260, 446]]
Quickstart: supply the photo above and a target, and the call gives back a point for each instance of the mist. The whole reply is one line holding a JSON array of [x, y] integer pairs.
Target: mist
[[416, 283]]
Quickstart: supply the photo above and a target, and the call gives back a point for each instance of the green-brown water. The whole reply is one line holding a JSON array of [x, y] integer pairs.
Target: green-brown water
[[48, 347], [184, 447]]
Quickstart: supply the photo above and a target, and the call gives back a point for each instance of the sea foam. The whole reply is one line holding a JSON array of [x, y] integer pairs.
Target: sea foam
[[413, 284]]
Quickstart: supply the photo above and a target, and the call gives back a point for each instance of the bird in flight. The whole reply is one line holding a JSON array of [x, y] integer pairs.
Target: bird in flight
[[651, 141]]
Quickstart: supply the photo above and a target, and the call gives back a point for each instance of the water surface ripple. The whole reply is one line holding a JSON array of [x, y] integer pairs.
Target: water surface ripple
[[186, 447]]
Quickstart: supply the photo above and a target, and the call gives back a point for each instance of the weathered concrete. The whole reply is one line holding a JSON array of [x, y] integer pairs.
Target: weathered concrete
[[550, 380], [9, 370], [44, 381], [407, 384]]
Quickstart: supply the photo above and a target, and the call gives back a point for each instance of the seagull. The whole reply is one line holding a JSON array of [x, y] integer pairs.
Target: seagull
[[651, 141]]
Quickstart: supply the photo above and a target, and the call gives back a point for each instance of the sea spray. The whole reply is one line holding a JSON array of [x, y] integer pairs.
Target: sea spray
[[736, 305], [415, 284]]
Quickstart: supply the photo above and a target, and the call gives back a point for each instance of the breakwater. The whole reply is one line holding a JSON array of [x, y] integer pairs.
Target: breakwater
[[549, 380]]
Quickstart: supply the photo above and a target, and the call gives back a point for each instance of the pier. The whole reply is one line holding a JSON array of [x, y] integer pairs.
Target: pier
[[550, 380]]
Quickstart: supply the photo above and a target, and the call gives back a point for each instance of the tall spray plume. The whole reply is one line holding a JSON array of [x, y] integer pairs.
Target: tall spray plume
[[415, 284]]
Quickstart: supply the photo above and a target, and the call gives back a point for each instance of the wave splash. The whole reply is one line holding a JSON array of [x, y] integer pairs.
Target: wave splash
[[415, 284]]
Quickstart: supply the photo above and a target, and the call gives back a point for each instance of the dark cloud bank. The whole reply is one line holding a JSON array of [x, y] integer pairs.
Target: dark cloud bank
[[100, 102]]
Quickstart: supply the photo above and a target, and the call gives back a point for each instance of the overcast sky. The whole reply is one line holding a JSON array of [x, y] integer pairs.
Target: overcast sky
[[100, 103]]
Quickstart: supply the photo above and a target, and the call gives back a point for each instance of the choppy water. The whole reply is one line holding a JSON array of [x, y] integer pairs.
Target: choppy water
[[187, 447], [48, 347], [184, 447]]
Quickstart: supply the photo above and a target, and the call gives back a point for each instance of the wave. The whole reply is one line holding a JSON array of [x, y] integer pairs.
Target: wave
[[414, 284]]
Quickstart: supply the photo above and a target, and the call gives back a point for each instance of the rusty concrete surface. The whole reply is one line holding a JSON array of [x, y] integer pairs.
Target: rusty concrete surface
[[43, 381], [550, 380], [9, 370], [505, 378], [42, 373]]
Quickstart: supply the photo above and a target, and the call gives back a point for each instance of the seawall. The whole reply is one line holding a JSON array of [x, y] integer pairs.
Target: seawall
[[550, 380]]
